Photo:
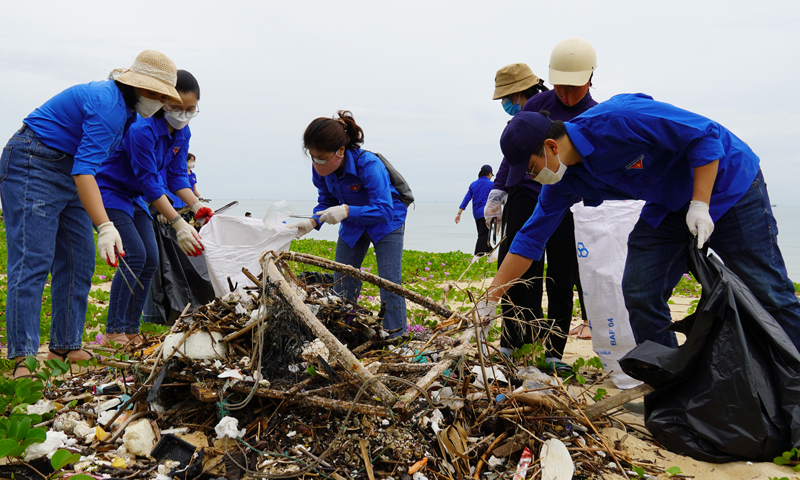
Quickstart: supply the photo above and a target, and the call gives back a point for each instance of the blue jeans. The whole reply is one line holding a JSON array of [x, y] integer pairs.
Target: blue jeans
[[745, 238], [47, 231], [141, 253], [389, 255]]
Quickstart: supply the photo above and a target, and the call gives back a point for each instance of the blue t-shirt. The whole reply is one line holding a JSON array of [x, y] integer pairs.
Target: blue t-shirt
[[635, 147], [374, 204], [558, 111], [86, 121], [478, 192], [149, 163]]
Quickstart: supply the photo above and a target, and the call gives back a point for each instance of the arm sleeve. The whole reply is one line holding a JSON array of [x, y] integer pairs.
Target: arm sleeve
[[467, 199], [375, 178], [103, 124], [501, 177], [554, 202], [325, 198]]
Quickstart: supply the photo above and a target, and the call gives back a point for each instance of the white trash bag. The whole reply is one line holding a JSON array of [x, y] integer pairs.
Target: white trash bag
[[601, 238], [234, 242]]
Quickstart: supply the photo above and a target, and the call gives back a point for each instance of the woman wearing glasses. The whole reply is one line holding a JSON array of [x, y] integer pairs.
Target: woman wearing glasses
[[131, 177], [354, 189]]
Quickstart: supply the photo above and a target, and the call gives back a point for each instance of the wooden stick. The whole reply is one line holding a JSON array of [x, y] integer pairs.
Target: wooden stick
[[425, 302], [365, 453], [350, 364], [615, 401], [412, 393]]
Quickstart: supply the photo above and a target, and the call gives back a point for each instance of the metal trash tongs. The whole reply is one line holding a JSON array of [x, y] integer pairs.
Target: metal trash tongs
[[492, 240], [122, 259]]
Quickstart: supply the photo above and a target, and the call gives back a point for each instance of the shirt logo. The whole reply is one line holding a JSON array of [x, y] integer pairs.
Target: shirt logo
[[636, 164], [175, 150], [354, 188]]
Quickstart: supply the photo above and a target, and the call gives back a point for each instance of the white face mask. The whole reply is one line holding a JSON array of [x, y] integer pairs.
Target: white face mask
[[146, 107], [179, 122], [547, 176], [190, 164]]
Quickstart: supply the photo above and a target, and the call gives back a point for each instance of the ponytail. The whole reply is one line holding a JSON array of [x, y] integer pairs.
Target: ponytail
[[329, 134]]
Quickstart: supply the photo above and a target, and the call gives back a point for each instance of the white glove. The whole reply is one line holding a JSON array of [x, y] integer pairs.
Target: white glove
[[188, 238], [486, 312], [333, 215], [699, 221], [162, 219], [494, 207], [302, 228], [107, 239]]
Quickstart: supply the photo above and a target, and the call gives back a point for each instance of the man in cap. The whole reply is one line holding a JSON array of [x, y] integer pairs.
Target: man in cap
[[477, 193], [697, 179]]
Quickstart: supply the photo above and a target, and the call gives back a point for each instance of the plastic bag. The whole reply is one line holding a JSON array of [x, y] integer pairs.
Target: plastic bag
[[601, 238], [235, 242], [179, 279], [732, 390]]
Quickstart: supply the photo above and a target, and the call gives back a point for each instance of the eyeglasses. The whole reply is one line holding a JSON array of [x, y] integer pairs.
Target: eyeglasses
[[320, 161], [176, 112]]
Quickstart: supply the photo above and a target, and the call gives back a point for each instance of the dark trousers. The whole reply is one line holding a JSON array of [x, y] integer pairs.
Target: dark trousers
[[522, 304], [482, 245]]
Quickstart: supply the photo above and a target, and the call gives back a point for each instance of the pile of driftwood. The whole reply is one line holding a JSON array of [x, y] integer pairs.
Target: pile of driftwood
[[310, 385]]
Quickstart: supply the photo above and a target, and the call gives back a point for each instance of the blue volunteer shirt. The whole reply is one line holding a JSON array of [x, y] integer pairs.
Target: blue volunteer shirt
[[149, 163], [558, 111], [375, 205], [86, 121], [635, 147], [478, 193]]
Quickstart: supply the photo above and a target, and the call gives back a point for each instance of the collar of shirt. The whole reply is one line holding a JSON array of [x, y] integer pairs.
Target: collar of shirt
[[580, 142]]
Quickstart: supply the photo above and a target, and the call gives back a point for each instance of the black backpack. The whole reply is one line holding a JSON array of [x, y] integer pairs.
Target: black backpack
[[400, 183]]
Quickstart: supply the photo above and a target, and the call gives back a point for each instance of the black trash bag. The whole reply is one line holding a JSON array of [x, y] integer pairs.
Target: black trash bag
[[732, 390], [179, 278]]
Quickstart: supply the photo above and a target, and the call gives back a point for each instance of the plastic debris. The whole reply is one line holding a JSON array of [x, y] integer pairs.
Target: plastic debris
[[198, 346], [228, 427], [523, 465], [556, 461], [53, 442], [139, 438]]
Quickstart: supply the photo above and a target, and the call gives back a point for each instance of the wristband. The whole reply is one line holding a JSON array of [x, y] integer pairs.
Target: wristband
[[175, 220]]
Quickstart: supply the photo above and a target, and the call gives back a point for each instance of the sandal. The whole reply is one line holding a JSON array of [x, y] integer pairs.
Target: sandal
[[20, 363], [582, 331]]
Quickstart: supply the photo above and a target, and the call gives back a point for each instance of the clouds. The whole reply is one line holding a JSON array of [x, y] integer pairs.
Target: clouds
[[418, 76]]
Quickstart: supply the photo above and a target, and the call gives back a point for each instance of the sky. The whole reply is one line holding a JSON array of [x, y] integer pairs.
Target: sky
[[418, 76]]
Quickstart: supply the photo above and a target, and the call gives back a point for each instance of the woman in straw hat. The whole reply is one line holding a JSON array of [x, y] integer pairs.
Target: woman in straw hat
[[51, 199], [150, 162]]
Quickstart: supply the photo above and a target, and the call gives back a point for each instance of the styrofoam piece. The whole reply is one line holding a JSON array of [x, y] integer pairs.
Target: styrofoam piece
[[139, 438], [556, 461], [227, 427], [198, 346]]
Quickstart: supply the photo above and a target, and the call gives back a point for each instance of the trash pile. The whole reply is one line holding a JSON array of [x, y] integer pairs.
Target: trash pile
[[281, 378]]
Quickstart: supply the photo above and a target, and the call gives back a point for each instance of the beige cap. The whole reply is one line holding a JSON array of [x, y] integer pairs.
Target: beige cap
[[572, 62], [151, 70], [513, 78]]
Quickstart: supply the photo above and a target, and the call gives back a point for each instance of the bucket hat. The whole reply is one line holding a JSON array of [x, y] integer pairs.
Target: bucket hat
[[513, 78], [152, 70]]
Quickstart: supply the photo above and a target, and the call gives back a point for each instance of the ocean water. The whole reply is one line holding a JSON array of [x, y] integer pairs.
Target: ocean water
[[430, 227]]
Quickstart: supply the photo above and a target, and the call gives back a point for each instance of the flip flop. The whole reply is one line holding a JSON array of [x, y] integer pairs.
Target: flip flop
[[582, 331]]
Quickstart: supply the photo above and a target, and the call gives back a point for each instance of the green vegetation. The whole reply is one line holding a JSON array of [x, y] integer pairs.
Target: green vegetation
[[790, 459]]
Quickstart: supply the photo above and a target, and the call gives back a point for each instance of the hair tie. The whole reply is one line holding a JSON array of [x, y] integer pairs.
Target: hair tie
[[342, 122]]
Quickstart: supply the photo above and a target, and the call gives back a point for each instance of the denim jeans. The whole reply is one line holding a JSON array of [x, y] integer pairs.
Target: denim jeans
[[141, 253], [389, 255], [47, 231], [745, 238]]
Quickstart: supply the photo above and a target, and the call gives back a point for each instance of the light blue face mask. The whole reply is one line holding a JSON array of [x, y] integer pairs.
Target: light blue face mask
[[511, 108]]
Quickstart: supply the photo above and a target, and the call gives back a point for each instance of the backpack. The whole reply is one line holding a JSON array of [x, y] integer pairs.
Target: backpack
[[400, 183]]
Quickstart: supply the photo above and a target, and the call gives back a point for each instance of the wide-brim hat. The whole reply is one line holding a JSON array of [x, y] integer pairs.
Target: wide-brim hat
[[522, 135], [513, 78], [152, 70]]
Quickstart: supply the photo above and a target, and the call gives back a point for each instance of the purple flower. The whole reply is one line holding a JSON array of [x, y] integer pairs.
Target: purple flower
[[427, 269], [429, 263], [443, 264], [431, 276], [416, 328], [98, 339], [686, 276], [329, 249], [101, 277], [361, 297], [445, 273], [370, 298]]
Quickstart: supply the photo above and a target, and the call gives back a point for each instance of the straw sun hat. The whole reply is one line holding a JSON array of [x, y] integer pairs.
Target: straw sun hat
[[151, 70]]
